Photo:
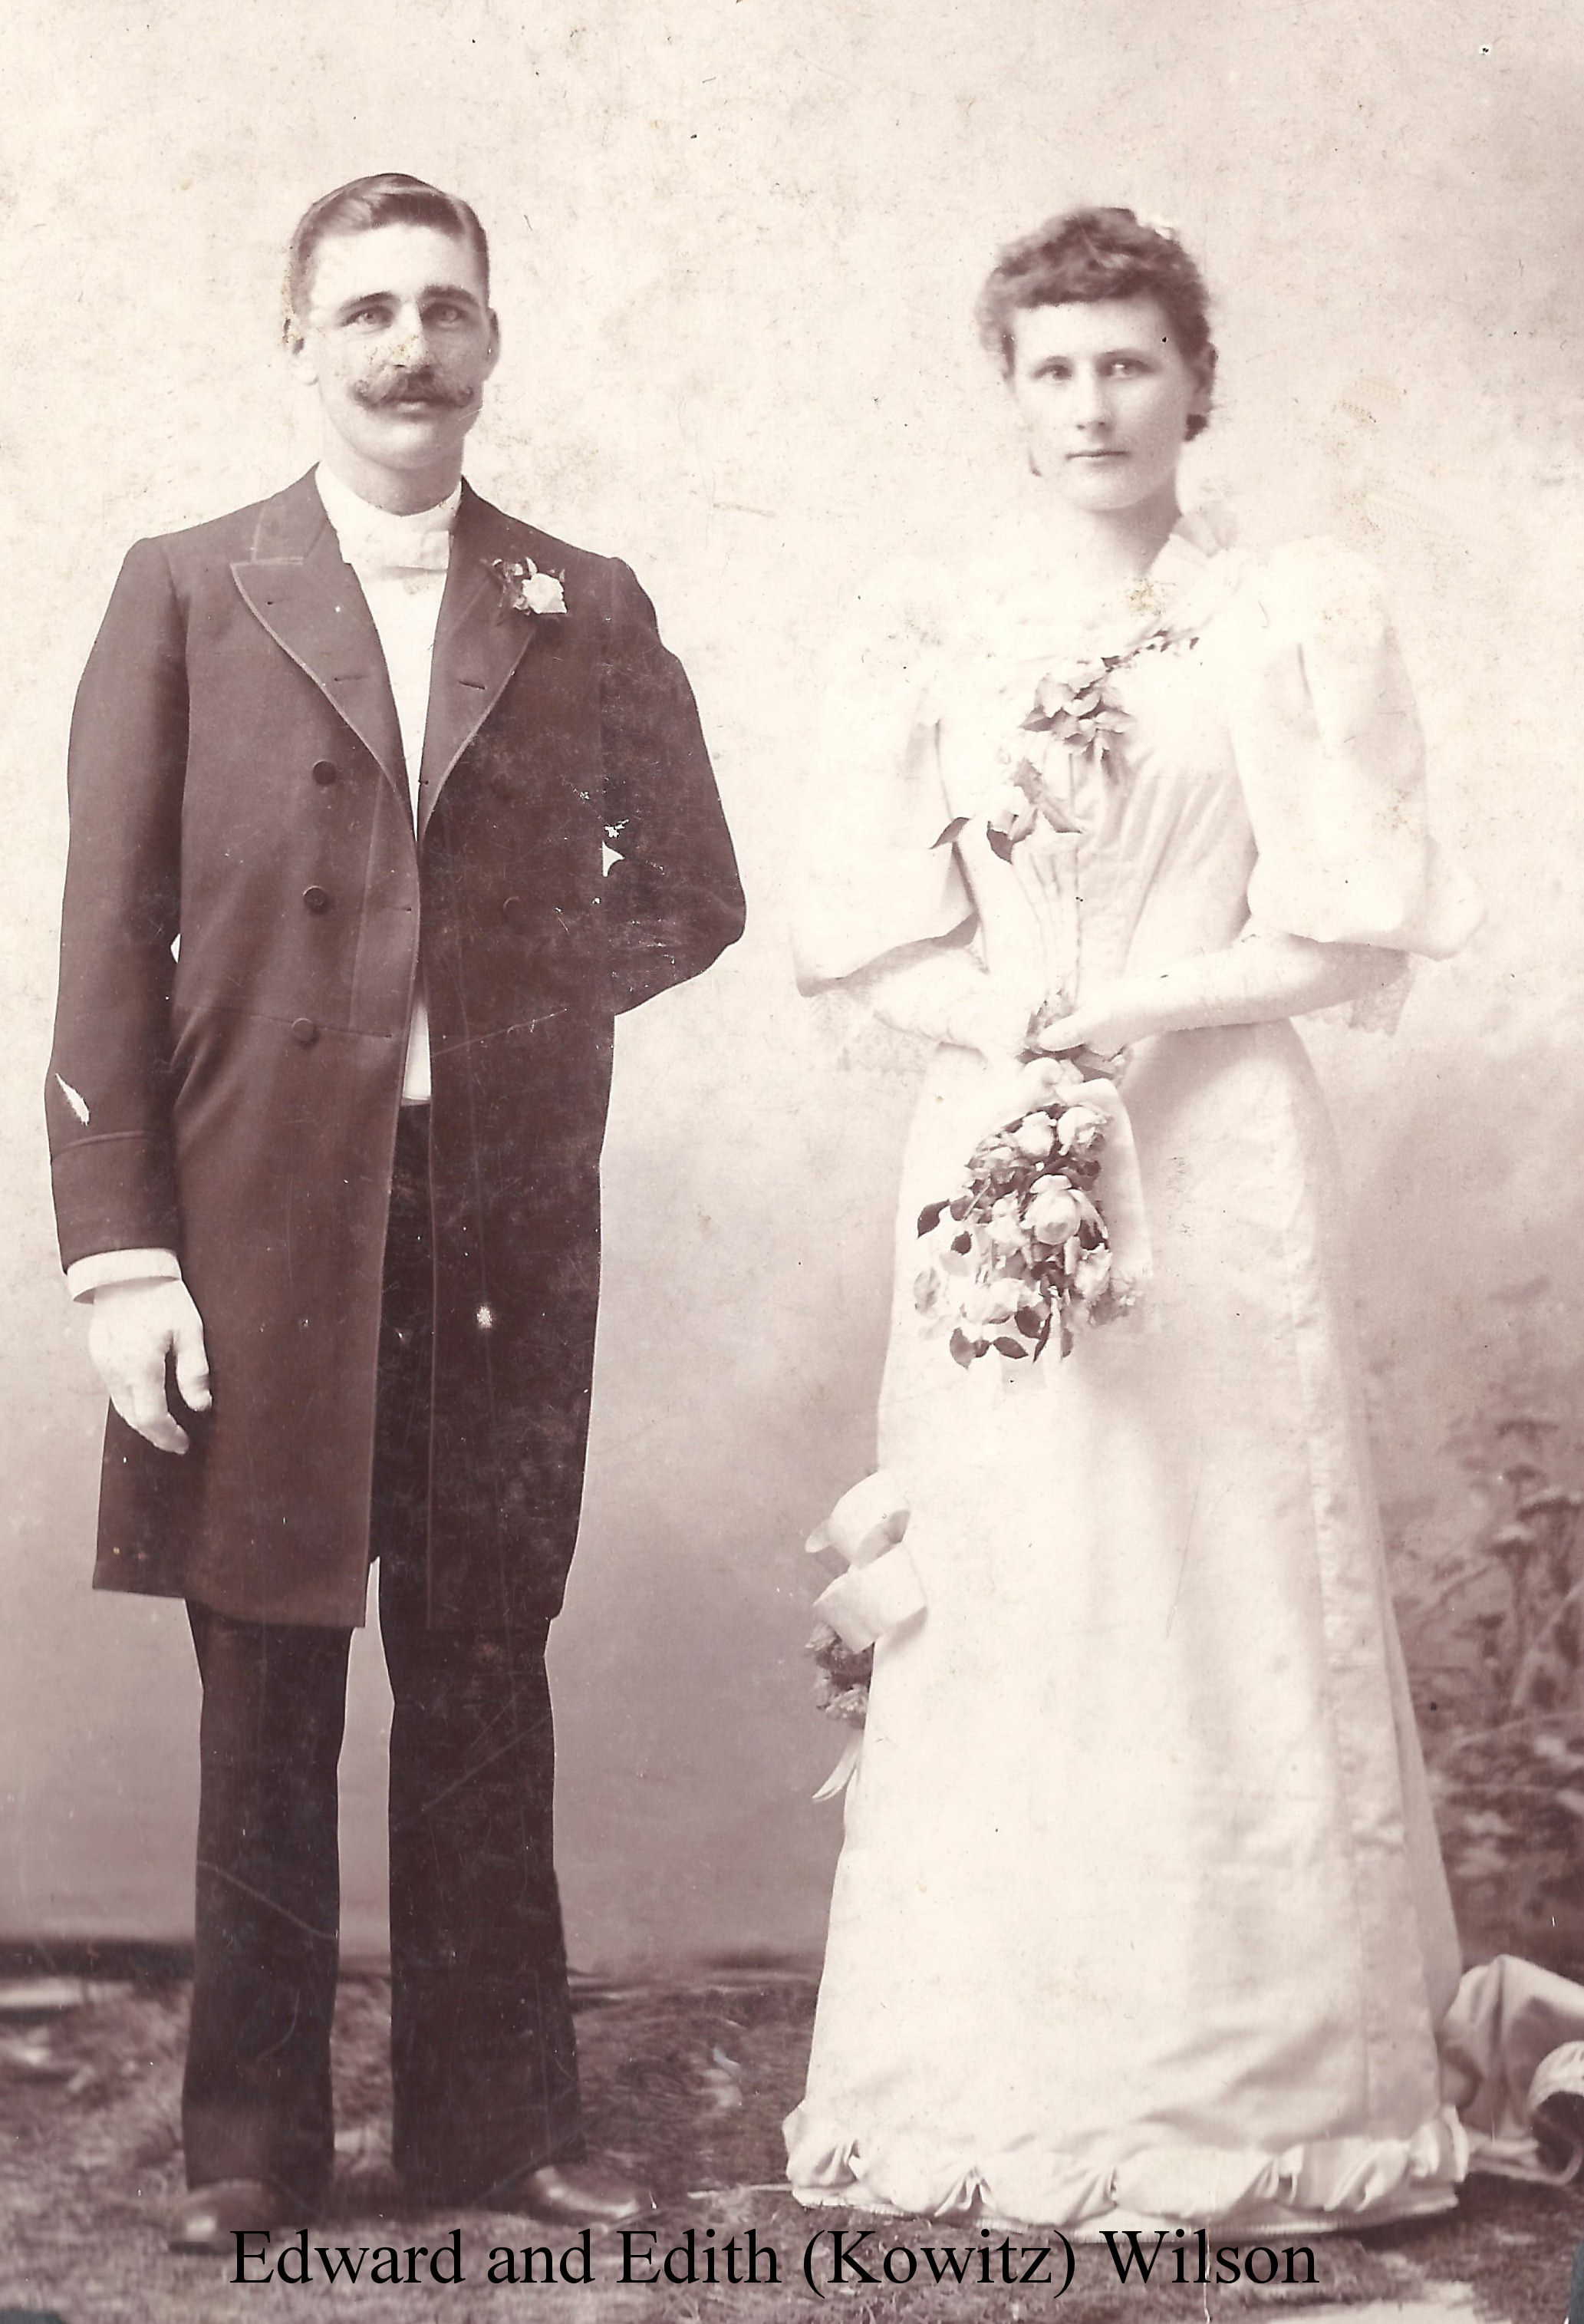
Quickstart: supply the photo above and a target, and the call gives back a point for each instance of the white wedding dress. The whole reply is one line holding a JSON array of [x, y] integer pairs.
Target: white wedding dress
[[1140, 1916]]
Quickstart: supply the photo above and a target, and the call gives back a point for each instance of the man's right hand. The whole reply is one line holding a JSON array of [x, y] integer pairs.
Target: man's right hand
[[133, 1329]]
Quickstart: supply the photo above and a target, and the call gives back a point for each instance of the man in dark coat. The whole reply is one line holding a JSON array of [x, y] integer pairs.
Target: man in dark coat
[[383, 806]]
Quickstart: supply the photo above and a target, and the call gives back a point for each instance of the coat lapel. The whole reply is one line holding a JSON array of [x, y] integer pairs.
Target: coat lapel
[[296, 583], [477, 645]]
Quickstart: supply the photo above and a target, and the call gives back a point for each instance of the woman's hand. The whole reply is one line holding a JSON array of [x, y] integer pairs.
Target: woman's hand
[[1262, 975], [1102, 1026]]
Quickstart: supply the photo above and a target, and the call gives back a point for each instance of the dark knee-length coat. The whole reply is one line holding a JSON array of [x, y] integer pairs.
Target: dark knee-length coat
[[236, 784]]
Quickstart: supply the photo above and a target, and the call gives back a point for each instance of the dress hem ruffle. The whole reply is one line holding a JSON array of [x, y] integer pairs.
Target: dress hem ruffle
[[1318, 2187]]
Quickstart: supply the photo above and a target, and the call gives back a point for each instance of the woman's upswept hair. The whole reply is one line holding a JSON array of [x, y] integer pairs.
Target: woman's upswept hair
[[386, 198], [1090, 255]]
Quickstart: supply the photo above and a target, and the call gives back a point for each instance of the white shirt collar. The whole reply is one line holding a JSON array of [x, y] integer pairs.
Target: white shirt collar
[[380, 537]]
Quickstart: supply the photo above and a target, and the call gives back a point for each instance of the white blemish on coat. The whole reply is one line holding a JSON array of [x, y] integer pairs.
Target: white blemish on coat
[[74, 1099], [486, 1319]]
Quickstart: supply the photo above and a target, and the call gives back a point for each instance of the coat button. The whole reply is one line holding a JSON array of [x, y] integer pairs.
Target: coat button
[[513, 909], [325, 771], [304, 1032], [317, 900]]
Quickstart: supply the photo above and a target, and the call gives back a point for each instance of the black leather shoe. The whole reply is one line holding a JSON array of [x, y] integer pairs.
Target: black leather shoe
[[591, 2194], [209, 2218]]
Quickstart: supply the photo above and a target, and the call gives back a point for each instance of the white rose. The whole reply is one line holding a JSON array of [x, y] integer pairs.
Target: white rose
[[993, 1302], [1005, 1235], [1037, 1134], [1092, 1273], [542, 594], [1054, 1213], [1080, 1128]]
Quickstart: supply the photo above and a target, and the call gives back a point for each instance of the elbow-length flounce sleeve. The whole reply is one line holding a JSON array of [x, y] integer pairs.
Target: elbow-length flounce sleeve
[[1331, 762], [876, 875]]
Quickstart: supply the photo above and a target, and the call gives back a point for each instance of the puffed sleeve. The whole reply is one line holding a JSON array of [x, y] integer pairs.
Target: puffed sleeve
[[1331, 762], [878, 870]]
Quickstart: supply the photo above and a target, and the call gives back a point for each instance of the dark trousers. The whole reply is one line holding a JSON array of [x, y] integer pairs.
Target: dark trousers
[[484, 2059]]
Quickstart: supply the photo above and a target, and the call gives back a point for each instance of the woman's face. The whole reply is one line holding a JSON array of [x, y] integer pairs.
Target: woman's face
[[1105, 397]]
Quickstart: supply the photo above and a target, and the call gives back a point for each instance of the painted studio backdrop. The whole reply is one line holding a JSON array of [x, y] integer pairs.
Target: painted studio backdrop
[[736, 248]]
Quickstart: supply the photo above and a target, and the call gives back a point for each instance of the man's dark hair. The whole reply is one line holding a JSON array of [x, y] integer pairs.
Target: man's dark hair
[[386, 198]]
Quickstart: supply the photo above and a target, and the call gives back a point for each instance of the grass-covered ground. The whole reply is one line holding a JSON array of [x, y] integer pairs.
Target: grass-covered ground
[[691, 2084]]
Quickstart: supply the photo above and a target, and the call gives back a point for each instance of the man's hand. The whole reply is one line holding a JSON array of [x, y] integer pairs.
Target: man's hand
[[133, 1329]]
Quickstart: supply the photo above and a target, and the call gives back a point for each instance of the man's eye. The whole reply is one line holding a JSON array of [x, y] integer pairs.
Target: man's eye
[[1124, 367]]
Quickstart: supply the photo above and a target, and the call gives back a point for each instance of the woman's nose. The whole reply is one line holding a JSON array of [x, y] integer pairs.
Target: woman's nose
[[1089, 405]]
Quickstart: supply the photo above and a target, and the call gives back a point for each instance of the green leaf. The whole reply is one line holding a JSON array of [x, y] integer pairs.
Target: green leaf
[[930, 1217], [1010, 1348], [962, 1242], [963, 1348], [1031, 1321], [958, 823], [1000, 844], [960, 1205]]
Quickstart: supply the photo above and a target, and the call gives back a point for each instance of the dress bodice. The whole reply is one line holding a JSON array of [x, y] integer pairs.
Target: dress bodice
[[1263, 768], [1157, 862]]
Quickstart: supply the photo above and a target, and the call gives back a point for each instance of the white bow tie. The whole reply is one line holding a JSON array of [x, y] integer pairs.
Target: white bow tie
[[378, 552]]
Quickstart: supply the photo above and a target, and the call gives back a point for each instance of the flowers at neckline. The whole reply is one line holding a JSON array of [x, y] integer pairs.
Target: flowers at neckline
[[1075, 706]]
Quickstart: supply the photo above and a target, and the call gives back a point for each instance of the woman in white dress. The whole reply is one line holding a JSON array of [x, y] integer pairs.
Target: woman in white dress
[[1140, 1916]]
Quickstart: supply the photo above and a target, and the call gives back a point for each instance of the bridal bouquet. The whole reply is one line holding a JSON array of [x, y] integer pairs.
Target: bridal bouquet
[[1045, 1231]]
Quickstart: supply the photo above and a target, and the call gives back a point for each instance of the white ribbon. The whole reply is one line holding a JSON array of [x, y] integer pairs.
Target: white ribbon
[[879, 1588]]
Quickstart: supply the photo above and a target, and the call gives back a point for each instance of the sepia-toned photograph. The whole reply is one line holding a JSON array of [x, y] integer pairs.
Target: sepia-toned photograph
[[795, 1389]]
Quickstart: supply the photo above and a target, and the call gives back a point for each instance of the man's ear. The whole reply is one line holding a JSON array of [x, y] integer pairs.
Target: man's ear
[[300, 353]]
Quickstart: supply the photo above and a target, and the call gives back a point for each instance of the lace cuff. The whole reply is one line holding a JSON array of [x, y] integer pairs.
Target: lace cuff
[[944, 993]]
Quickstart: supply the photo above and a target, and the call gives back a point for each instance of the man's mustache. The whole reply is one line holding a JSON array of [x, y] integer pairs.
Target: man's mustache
[[412, 387]]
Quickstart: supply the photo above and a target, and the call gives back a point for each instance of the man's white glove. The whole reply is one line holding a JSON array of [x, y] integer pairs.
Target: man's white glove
[[133, 1329]]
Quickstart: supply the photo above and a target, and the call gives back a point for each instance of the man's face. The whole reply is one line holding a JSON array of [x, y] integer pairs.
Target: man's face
[[399, 339]]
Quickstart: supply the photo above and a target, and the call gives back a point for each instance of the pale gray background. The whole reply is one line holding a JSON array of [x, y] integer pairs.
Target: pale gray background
[[736, 247]]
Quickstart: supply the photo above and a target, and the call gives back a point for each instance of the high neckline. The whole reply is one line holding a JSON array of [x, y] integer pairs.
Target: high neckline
[[352, 516], [1021, 600]]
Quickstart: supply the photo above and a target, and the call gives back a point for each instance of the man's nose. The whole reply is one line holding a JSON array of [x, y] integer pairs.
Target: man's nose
[[408, 344]]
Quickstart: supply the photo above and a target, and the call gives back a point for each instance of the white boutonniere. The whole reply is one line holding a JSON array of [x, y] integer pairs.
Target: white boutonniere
[[524, 589]]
